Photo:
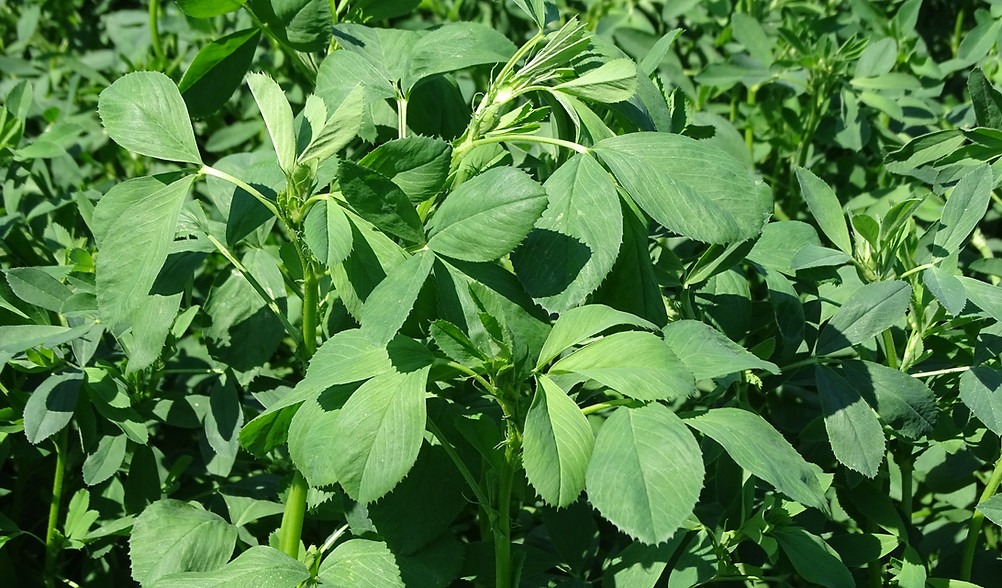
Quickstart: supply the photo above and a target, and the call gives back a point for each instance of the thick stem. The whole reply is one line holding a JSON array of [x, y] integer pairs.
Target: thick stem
[[311, 307], [52, 544], [502, 524], [401, 117], [974, 527], [890, 350], [292, 519], [211, 171]]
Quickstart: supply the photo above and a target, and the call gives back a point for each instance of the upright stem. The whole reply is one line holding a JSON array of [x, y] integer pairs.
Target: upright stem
[[158, 49], [51, 544], [401, 117], [974, 527], [292, 519], [311, 307], [502, 525]]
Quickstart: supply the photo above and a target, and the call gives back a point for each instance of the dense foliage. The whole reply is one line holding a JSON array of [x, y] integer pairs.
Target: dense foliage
[[441, 293]]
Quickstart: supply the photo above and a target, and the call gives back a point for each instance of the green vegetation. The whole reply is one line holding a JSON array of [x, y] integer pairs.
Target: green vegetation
[[439, 293]]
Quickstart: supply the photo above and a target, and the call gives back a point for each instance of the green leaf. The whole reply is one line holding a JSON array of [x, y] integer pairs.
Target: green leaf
[[277, 113], [981, 391], [17, 338], [360, 563], [856, 437], [946, 288], [986, 99], [390, 303], [208, 8], [556, 444], [379, 201], [259, 566], [50, 407], [639, 365], [104, 462], [870, 310], [217, 70], [379, 10], [688, 186], [813, 559], [379, 432], [488, 216], [583, 322], [987, 297], [613, 81], [143, 112], [710, 354], [134, 226], [173, 536], [902, 401], [825, 208], [540, 11], [327, 232], [454, 46], [645, 473], [386, 51], [759, 448], [992, 509], [964, 210], [418, 165], [576, 241], [303, 25], [222, 424], [37, 287], [337, 131]]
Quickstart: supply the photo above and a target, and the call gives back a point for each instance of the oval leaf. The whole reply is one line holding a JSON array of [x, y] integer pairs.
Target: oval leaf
[[855, 434], [50, 407], [646, 472], [688, 186], [869, 310], [143, 112], [556, 445], [488, 216], [759, 448]]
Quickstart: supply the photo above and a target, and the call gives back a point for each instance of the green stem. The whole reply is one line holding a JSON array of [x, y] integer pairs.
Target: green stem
[[955, 370], [158, 49], [477, 377], [587, 410], [52, 544], [401, 117], [460, 464], [311, 305], [292, 519], [513, 138], [974, 527], [502, 524], [889, 349], [269, 301], [905, 464], [211, 171], [916, 270]]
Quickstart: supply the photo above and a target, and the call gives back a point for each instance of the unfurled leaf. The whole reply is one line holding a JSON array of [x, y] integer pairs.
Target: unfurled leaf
[[208, 8], [870, 310], [813, 559], [334, 133], [454, 46], [981, 391], [556, 445], [217, 71], [134, 226], [303, 25], [390, 303], [488, 216], [986, 99], [173, 536], [328, 233], [825, 208], [575, 243], [50, 406], [687, 186], [946, 288], [759, 448], [105, 460], [360, 563], [37, 287], [902, 401], [992, 509], [143, 112], [710, 354], [583, 322], [418, 165], [964, 210], [277, 113], [259, 566], [645, 473], [379, 201], [638, 365], [856, 437], [379, 432]]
